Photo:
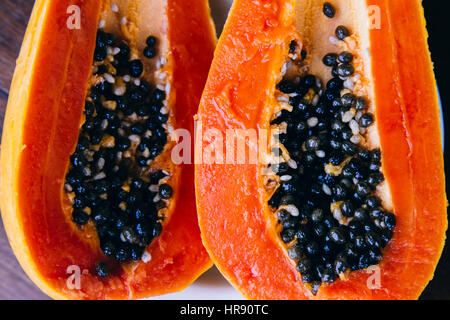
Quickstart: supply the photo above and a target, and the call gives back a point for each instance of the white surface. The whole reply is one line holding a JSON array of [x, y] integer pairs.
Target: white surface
[[211, 285]]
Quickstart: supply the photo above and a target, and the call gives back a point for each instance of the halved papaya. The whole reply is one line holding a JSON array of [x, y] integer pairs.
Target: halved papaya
[[350, 203], [93, 206]]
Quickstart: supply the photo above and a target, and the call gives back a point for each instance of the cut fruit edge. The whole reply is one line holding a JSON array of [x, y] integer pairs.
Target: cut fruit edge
[[408, 132], [172, 268]]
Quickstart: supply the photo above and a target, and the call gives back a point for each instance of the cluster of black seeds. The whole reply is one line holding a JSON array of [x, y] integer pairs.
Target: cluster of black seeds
[[331, 219], [124, 130]]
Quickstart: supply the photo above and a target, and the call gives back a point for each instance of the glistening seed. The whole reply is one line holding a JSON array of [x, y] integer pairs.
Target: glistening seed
[[342, 32], [329, 10]]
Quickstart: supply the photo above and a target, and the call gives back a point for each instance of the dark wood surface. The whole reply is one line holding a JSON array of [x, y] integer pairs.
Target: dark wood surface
[[14, 284], [14, 14]]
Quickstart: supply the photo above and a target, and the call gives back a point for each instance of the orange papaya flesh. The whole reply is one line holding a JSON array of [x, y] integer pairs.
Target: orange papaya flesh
[[53, 77], [239, 229]]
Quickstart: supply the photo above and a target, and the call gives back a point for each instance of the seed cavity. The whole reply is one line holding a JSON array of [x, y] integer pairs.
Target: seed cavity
[[325, 202], [110, 182]]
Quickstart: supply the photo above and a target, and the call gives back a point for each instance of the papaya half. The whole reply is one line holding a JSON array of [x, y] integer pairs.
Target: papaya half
[[345, 198], [93, 206]]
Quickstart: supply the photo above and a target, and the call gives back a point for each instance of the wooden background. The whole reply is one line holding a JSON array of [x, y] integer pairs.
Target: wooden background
[[14, 284]]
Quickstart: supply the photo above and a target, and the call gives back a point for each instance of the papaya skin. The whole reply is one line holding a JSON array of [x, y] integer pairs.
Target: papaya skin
[[231, 204], [41, 129]]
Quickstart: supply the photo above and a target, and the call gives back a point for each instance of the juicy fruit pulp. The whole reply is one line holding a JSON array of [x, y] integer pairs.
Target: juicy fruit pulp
[[48, 97], [239, 227]]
